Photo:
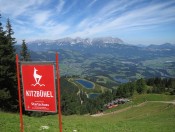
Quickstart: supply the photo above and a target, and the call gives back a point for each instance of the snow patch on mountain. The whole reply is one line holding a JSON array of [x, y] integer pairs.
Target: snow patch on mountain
[[78, 40]]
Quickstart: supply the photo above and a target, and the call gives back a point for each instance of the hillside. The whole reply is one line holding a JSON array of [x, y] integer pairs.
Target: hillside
[[152, 116]]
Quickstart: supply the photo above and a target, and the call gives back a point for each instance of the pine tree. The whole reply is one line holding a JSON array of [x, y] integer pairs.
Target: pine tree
[[8, 84], [10, 51], [25, 56], [11, 64], [1, 28], [141, 86], [4, 92]]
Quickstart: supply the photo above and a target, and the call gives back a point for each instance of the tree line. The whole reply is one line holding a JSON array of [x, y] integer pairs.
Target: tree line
[[71, 103]]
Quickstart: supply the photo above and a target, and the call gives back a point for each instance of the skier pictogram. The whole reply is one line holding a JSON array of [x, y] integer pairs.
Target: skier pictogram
[[37, 78]]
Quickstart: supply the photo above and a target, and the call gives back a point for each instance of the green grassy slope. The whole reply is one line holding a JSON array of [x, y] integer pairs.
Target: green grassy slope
[[150, 117]]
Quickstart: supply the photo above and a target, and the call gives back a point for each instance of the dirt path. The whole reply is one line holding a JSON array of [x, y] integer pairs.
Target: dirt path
[[168, 102], [118, 111], [127, 108]]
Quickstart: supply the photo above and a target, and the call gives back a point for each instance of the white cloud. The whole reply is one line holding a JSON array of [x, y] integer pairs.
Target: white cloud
[[41, 17], [140, 18], [60, 6], [92, 3], [30, 17], [14, 8]]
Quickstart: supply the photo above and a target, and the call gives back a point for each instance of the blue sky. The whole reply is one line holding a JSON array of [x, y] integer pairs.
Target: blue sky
[[133, 21]]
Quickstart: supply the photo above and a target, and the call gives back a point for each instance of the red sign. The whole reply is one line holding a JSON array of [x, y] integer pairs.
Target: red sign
[[39, 87]]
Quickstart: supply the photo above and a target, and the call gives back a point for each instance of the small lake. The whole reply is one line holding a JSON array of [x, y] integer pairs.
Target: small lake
[[93, 95], [85, 83], [121, 80]]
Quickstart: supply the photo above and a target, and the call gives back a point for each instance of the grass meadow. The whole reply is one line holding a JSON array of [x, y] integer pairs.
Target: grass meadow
[[149, 117]]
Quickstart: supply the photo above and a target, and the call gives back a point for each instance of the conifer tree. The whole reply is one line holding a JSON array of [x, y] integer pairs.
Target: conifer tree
[[141, 86], [4, 92], [8, 86], [11, 64], [25, 56], [1, 28]]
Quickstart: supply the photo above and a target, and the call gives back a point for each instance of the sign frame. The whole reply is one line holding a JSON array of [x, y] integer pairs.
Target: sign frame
[[40, 64], [57, 86]]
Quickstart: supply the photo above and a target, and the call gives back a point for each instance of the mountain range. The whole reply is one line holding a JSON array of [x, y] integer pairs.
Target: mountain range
[[106, 57], [44, 45]]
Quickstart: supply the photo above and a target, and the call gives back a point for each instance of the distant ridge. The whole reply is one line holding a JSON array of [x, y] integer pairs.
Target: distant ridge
[[78, 40], [162, 46], [106, 56]]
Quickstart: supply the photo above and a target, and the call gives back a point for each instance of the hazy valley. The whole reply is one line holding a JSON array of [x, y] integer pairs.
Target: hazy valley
[[109, 58]]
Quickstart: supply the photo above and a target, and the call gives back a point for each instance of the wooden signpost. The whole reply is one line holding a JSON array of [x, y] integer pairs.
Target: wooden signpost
[[39, 88]]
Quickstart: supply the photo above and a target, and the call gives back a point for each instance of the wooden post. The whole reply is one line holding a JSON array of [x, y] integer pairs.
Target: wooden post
[[19, 94], [59, 94]]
